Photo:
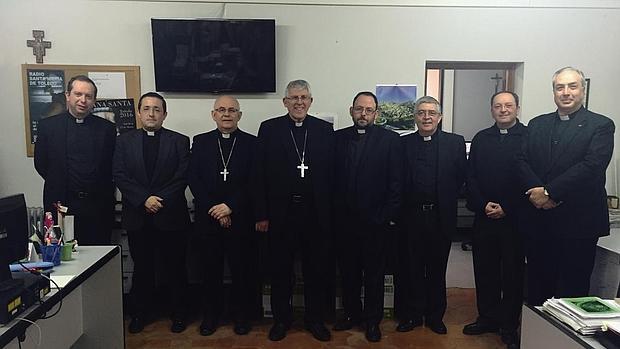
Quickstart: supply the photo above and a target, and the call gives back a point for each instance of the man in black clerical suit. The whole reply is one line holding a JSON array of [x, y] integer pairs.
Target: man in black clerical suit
[[219, 177], [368, 191], [294, 205], [562, 170], [73, 154], [435, 166], [150, 169], [497, 244]]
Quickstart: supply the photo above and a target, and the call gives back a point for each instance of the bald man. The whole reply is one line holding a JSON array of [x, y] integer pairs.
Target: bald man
[[219, 176]]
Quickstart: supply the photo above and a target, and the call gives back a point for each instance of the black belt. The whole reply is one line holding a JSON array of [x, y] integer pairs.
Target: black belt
[[81, 194], [426, 207], [297, 199]]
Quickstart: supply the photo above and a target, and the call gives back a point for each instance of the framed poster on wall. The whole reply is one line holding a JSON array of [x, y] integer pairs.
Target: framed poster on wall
[[44, 94]]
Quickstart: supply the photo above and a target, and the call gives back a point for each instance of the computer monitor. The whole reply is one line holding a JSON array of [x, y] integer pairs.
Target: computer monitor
[[13, 236]]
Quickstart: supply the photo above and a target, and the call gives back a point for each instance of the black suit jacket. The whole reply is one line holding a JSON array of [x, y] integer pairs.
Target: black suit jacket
[[169, 179], [277, 172], [573, 175], [205, 179], [378, 175], [451, 169], [51, 163], [492, 171]]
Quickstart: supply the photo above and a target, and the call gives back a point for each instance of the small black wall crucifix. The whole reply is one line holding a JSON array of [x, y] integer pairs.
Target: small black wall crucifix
[[38, 45], [498, 79]]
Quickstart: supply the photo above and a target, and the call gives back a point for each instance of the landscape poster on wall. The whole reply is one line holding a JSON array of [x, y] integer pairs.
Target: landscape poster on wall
[[396, 103], [46, 96]]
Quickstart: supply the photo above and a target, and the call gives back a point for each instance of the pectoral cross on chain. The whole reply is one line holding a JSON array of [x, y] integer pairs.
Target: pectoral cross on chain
[[302, 169], [225, 173]]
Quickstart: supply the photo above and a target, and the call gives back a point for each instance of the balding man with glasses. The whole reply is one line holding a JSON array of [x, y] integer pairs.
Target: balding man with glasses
[[294, 197], [368, 190], [435, 167], [219, 176]]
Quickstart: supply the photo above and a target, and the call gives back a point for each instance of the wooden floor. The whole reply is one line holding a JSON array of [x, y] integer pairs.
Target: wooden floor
[[461, 311]]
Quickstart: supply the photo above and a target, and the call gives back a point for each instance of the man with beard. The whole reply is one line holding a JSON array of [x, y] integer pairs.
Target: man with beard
[[368, 189]]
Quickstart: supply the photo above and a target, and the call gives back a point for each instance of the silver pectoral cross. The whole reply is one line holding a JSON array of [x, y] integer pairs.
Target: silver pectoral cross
[[302, 169], [225, 173]]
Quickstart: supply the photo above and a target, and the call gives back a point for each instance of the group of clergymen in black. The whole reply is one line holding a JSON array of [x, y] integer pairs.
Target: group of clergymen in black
[[537, 191]]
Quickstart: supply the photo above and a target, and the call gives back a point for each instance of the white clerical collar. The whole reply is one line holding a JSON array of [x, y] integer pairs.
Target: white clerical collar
[[79, 121], [427, 138], [150, 133], [503, 131], [226, 135], [564, 117], [299, 123], [361, 131]]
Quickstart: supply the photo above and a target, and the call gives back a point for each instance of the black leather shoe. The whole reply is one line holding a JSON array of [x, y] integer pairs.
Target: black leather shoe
[[136, 325], [373, 333], [319, 331], [242, 327], [438, 327], [477, 328], [408, 325], [345, 323], [278, 331], [178, 325], [208, 327], [510, 338]]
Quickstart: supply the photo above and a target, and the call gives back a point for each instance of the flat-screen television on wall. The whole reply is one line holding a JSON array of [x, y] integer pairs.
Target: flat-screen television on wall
[[214, 55]]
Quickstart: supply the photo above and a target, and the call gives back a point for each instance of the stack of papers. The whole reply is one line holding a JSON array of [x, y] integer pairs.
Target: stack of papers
[[585, 315]]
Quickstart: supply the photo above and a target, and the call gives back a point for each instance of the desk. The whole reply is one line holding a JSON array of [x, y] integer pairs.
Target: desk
[[606, 272], [92, 306], [540, 330]]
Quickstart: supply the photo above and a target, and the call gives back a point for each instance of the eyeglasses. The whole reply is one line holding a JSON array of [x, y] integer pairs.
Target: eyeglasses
[[431, 113], [223, 110], [359, 109], [302, 98]]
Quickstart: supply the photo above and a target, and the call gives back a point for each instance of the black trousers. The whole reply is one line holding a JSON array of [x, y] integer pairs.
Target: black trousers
[[361, 250], [300, 232], [499, 264], [240, 249], [559, 267], [159, 258], [93, 217], [421, 281]]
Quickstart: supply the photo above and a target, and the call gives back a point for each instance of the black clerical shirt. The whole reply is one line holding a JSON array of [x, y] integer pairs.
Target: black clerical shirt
[[559, 127], [81, 165], [425, 181], [150, 150], [302, 186], [355, 149], [223, 187]]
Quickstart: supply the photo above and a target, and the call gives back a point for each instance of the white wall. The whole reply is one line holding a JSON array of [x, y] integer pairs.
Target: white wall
[[339, 49], [472, 109]]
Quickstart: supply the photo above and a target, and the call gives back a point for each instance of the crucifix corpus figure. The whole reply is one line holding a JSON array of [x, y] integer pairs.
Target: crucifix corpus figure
[[38, 44]]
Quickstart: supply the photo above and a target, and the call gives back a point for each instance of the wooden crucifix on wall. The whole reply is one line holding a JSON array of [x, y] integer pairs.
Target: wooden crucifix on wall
[[38, 44]]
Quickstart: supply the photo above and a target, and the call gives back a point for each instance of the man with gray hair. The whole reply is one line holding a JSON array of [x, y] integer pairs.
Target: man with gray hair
[[562, 172], [293, 205], [435, 165]]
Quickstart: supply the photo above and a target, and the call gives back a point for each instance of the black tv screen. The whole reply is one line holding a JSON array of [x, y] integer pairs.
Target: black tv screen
[[214, 55], [13, 235]]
